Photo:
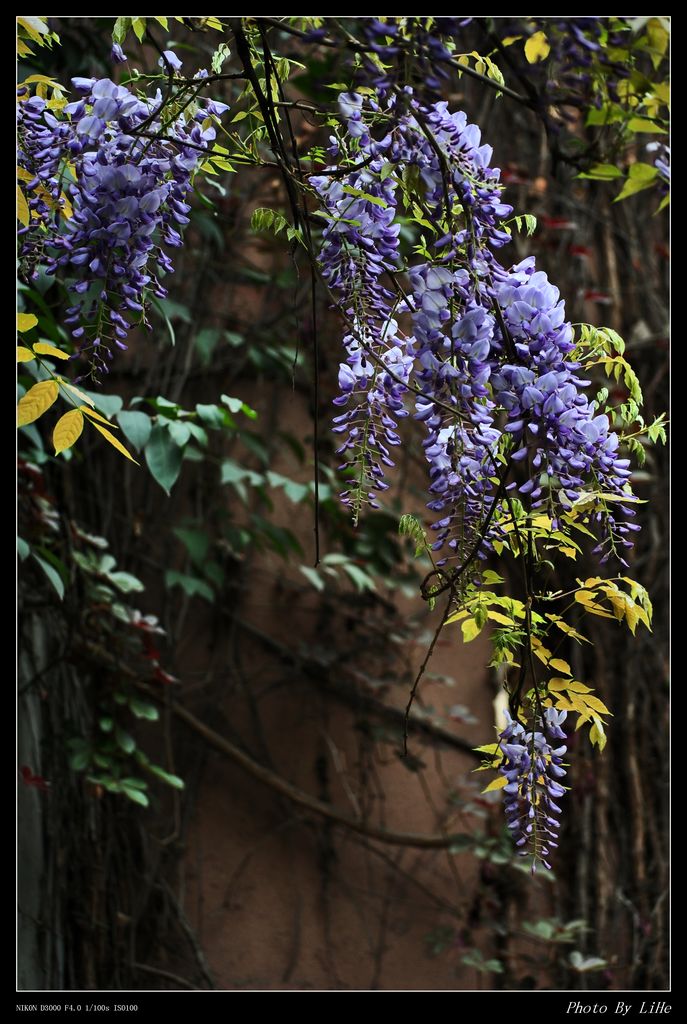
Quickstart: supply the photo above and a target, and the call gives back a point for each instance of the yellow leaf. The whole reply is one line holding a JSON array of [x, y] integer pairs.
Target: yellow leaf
[[488, 748], [496, 784], [543, 522], [23, 212], [24, 175], [541, 652], [537, 48], [498, 617], [25, 321], [24, 355], [596, 734], [569, 552], [36, 401], [44, 348], [557, 684], [595, 704], [75, 391], [96, 416], [67, 208], [23, 50], [560, 665], [67, 430], [456, 617], [578, 687], [41, 78], [470, 630], [35, 27], [114, 442]]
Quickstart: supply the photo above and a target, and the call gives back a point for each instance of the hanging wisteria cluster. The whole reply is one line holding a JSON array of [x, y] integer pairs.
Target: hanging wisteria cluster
[[533, 769], [485, 355], [488, 359], [120, 166]]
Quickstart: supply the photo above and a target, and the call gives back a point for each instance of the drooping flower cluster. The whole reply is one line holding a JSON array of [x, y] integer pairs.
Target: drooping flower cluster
[[486, 342], [533, 766], [125, 164]]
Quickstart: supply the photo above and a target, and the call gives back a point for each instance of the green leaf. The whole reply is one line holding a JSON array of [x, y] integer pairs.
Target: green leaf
[[163, 457], [361, 579], [312, 575], [52, 574], [191, 585], [171, 780], [135, 795], [121, 29], [136, 427], [109, 405], [643, 124], [641, 176], [294, 491], [205, 342], [237, 405], [179, 431], [196, 543], [143, 709], [139, 27], [212, 415], [602, 172], [125, 741], [125, 582], [23, 549]]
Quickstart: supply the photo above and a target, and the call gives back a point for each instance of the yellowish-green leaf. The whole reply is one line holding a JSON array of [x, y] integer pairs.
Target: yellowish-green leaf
[[24, 355], [75, 391], [36, 401], [162, 21], [35, 27], [96, 416], [488, 748], [67, 430], [537, 48], [498, 617], [456, 617], [560, 665], [41, 78], [470, 630], [44, 348], [114, 442], [597, 735], [139, 27], [23, 50], [25, 321], [496, 784]]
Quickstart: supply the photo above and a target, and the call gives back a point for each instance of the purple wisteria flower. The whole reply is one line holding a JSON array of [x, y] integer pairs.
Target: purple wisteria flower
[[533, 766], [128, 196]]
